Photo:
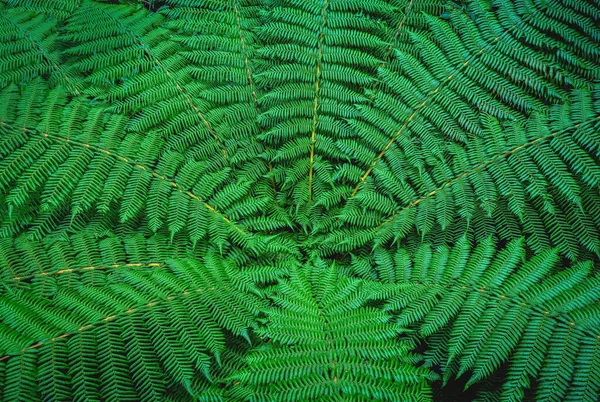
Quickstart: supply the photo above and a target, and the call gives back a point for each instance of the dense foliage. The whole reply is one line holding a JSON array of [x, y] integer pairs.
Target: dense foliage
[[286, 200]]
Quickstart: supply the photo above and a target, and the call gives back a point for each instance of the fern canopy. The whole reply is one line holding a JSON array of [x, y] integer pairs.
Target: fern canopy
[[286, 200]]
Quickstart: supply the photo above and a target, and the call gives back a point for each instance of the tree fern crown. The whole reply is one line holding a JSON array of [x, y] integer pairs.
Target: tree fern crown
[[294, 200]]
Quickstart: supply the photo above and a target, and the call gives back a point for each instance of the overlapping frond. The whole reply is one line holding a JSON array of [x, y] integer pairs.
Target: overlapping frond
[[471, 125], [225, 200], [483, 309], [314, 60], [323, 343], [77, 159], [541, 176], [30, 49], [219, 47], [59, 8], [115, 320]]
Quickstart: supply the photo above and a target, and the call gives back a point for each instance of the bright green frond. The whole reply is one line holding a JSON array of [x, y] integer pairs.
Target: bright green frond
[[294, 200]]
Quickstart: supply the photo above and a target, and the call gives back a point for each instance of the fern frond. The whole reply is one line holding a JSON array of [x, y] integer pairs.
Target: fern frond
[[59, 9], [299, 199], [324, 344], [29, 49], [494, 307], [121, 307], [535, 169]]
